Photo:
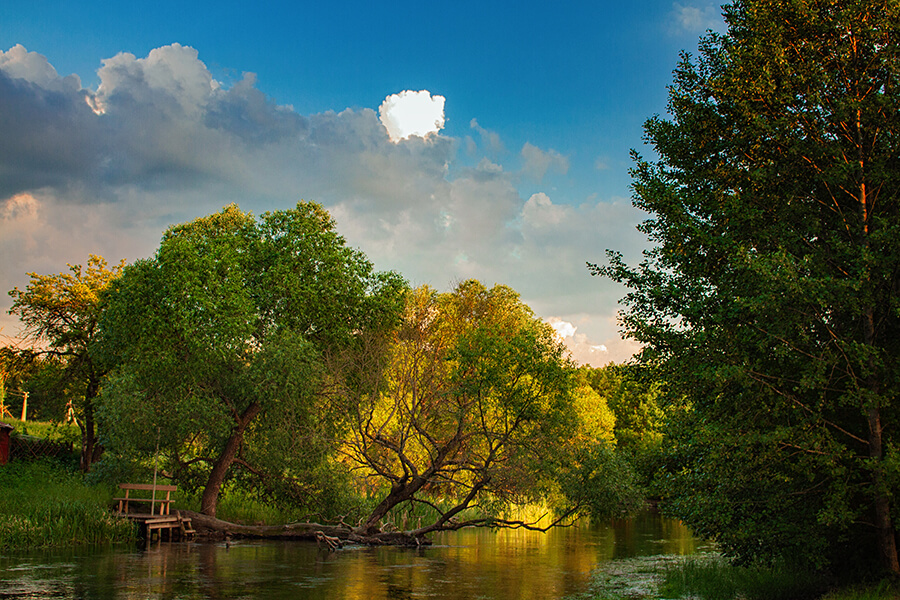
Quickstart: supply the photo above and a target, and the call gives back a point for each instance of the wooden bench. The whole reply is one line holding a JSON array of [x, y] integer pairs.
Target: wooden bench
[[158, 519], [146, 493]]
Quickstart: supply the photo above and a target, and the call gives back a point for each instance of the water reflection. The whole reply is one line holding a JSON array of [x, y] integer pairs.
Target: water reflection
[[466, 564]]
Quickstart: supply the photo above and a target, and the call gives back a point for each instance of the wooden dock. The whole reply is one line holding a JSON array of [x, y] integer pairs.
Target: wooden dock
[[159, 519]]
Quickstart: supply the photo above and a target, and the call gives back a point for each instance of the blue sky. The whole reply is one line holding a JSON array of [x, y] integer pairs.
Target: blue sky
[[204, 103]]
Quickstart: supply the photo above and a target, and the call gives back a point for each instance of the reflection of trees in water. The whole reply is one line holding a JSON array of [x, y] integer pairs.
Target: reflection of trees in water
[[648, 534], [466, 564]]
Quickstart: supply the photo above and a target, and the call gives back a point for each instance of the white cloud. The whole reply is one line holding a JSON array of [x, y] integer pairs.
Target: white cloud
[[489, 138], [19, 63], [412, 113], [537, 162], [171, 144], [540, 212], [19, 208], [169, 76], [563, 329], [696, 19]]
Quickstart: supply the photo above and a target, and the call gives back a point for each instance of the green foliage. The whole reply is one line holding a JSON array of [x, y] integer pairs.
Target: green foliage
[[479, 410], [44, 505], [222, 342], [637, 413], [768, 305], [60, 313]]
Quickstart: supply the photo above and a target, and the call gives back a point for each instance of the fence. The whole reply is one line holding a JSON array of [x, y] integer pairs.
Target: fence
[[29, 447]]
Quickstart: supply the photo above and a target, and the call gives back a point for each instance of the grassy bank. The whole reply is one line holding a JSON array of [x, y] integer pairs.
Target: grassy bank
[[46, 505], [715, 579], [709, 577], [51, 430]]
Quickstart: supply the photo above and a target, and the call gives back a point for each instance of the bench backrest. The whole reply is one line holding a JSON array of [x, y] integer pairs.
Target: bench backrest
[[148, 487]]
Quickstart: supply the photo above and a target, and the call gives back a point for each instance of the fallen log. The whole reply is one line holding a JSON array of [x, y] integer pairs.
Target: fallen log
[[213, 528]]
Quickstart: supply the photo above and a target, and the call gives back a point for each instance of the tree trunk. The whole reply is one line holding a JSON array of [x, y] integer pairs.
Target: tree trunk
[[210, 498], [215, 528], [90, 449], [887, 542], [400, 492]]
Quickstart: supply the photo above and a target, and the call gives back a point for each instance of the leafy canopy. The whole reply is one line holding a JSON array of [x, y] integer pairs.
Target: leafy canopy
[[479, 409], [222, 339], [768, 304]]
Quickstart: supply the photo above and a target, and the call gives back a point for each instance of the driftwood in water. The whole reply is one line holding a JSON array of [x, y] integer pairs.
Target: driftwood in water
[[212, 527], [332, 543]]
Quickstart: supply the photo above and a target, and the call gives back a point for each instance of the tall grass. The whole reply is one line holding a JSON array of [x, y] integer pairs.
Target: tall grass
[[51, 430], [715, 579], [44, 505], [884, 590]]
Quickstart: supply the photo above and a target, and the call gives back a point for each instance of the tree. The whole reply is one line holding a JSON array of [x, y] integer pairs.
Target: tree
[[478, 415], [60, 315], [222, 338], [769, 303], [636, 413], [43, 376]]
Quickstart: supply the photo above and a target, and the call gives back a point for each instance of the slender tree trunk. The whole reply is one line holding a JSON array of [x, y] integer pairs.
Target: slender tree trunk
[[887, 542], [90, 450], [210, 498]]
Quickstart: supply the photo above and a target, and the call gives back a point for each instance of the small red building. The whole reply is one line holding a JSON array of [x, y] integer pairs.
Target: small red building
[[5, 430]]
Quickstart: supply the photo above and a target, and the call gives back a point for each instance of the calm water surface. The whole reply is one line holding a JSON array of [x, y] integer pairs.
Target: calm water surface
[[462, 565]]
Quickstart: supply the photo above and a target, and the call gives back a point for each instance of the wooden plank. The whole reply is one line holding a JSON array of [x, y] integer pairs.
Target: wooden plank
[[148, 487], [161, 502]]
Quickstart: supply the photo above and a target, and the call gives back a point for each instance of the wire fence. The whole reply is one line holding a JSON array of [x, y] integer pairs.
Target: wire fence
[[27, 447]]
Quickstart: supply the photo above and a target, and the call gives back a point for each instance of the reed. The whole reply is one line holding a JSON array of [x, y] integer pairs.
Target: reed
[[43, 505]]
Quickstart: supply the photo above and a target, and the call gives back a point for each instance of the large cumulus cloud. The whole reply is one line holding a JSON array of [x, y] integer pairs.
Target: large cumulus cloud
[[160, 141]]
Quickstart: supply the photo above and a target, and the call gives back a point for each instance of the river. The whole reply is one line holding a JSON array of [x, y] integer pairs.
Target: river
[[501, 565]]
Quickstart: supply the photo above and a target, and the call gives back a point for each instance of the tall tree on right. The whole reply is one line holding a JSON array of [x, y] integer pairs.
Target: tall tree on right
[[770, 300]]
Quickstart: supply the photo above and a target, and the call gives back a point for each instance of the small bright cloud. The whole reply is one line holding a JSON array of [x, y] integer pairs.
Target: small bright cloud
[[490, 138], [695, 19], [412, 113], [539, 211], [19, 207], [537, 162], [563, 329], [599, 348]]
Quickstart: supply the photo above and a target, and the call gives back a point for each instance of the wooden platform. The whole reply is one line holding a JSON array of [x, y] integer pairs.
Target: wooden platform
[[173, 526], [159, 519]]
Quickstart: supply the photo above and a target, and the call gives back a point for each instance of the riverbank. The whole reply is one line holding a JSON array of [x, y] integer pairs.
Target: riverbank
[[45, 505], [710, 577]]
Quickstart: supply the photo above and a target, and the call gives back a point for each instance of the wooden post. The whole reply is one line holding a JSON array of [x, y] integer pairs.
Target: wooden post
[[24, 406]]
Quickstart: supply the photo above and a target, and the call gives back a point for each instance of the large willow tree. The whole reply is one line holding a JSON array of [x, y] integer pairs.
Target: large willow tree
[[479, 415], [770, 300], [222, 338]]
